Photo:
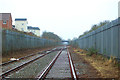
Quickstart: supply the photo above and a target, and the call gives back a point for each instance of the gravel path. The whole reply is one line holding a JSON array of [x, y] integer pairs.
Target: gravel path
[[32, 70], [61, 68]]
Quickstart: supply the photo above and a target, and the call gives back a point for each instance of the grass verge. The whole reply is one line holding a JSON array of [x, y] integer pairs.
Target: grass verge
[[108, 68]]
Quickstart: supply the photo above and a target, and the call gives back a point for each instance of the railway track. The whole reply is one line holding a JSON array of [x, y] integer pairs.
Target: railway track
[[60, 67], [10, 64], [63, 55], [14, 69], [41, 52]]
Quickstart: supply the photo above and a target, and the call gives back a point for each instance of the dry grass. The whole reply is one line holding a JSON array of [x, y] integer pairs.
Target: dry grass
[[107, 67]]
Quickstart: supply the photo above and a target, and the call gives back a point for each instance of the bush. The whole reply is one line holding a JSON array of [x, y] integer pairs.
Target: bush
[[92, 51]]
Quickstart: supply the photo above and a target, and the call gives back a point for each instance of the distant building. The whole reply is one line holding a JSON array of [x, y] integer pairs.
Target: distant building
[[34, 30], [6, 20], [21, 24]]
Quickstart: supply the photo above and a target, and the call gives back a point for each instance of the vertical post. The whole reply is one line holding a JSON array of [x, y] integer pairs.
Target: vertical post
[[119, 41], [0, 46], [119, 29], [95, 39]]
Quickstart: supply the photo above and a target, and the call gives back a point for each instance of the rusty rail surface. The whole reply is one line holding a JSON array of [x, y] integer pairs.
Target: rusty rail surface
[[72, 68]]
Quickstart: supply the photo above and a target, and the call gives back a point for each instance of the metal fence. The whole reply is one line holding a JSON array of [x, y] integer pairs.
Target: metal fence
[[105, 39], [12, 41]]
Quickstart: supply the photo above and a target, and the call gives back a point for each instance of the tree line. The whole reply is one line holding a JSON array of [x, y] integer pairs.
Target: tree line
[[51, 36], [94, 27]]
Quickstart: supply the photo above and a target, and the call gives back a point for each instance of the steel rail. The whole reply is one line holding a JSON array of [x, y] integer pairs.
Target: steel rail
[[47, 69], [5, 63], [3, 75], [72, 68]]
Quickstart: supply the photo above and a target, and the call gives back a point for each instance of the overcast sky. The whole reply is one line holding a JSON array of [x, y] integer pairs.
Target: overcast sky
[[66, 18]]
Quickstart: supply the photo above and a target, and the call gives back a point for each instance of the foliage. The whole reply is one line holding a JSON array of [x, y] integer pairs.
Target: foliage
[[94, 27], [74, 44], [51, 36], [91, 51], [22, 32], [104, 51]]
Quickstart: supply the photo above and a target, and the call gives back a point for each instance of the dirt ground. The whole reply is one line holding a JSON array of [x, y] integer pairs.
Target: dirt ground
[[93, 66], [21, 53]]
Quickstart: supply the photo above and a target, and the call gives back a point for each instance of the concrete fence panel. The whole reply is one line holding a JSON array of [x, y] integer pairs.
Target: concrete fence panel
[[105, 39], [12, 41]]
